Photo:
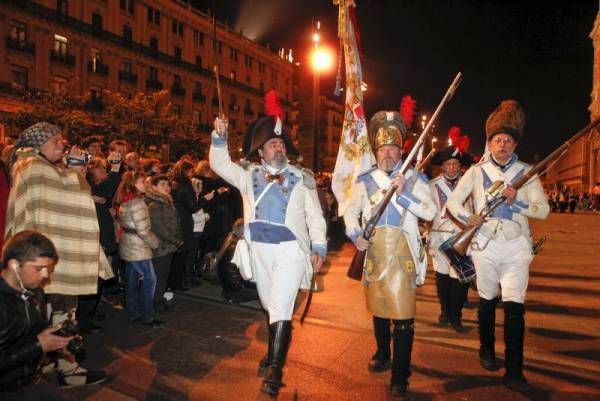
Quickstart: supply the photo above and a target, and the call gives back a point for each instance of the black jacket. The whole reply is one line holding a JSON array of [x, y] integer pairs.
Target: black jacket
[[20, 350], [186, 203], [106, 189]]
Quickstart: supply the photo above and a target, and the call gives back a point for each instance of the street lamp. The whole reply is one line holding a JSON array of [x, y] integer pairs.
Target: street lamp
[[321, 61]]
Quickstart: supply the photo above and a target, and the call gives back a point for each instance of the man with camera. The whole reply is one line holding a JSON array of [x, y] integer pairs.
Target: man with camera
[[27, 262], [57, 202]]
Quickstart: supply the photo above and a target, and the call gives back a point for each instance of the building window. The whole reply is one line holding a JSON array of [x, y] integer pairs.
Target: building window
[[177, 27], [248, 61], [196, 117], [152, 74], [96, 22], [218, 46], [198, 87], [233, 54], [127, 33], [59, 86], [248, 79], [127, 5], [198, 38], [19, 75], [96, 94], [176, 111], [261, 67], [262, 86], [62, 7], [153, 16], [18, 32], [60, 46], [96, 59], [199, 61], [177, 81], [274, 75], [232, 76], [126, 66], [177, 53], [154, 43]]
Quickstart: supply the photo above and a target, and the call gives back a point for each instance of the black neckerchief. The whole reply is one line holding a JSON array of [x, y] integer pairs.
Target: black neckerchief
[[502, 167]]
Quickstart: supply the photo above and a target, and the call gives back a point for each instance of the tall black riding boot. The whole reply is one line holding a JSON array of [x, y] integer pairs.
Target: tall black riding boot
[[442, 283], [458, 294], [282, 335], [486, 316], [264, 362], [380, 361], [404, 333], [514, 333]]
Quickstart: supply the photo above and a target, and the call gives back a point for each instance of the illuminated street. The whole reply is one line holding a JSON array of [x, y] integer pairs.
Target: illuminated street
[[210, 350]]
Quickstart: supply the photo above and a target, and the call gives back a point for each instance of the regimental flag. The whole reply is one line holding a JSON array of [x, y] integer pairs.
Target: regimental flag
[[354, 154]]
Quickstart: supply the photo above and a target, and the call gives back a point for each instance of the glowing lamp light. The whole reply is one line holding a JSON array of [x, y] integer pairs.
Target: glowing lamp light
[[321, 59], [316, 37]]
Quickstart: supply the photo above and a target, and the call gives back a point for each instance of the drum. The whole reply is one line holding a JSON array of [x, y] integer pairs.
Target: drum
[[463, 265]]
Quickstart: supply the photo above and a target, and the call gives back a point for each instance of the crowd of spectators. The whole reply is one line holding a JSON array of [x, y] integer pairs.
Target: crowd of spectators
[[112, 227], [567, 199]]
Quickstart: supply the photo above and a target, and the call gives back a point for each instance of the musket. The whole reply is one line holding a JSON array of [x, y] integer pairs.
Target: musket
[[461, 241], [358, 261]]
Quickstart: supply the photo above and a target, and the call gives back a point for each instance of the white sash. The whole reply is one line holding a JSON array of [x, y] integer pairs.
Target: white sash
[[383, 182], [495, 174]]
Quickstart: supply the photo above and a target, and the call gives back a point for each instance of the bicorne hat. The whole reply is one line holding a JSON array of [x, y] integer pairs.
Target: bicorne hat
[[458, 149]]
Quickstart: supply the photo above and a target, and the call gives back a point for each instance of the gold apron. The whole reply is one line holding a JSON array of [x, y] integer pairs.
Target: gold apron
[[390, 275]]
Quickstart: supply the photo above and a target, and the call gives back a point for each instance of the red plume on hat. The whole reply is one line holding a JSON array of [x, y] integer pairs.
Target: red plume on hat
[[407, 146], [454, 135], [462, 144], [407, 110], [272, 105]]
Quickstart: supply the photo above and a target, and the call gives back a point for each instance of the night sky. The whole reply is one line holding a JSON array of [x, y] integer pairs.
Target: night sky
[[538, 52]]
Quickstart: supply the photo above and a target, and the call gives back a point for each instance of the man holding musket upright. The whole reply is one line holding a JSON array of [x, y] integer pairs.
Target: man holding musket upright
[[395, 263], [501, 250], [284, 235], [451, 292]]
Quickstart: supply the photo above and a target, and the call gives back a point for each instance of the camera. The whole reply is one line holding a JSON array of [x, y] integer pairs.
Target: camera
[[75, 346]]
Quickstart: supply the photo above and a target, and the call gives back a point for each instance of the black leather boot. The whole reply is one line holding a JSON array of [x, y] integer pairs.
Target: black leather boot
[[282, 335], [263, 365], [380, 362], [514, 334], [404, 333], [442, 284], [486, 315], [458, 295]]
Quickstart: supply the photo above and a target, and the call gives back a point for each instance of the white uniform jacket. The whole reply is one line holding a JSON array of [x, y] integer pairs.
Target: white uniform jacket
[[304, 216], [444, 225], [417, 201], [507, 220]]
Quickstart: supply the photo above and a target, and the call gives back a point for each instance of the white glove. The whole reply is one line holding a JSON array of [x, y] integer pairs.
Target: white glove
[[221, 125]]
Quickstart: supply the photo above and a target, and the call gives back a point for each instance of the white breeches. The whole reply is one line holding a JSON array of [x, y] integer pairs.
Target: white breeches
[[279, 270], [441, 263], [503, 264]]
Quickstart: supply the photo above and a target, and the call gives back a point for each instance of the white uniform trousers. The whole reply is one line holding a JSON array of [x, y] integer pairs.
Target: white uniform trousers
[[441, 264], [279, 270], [503, 263]]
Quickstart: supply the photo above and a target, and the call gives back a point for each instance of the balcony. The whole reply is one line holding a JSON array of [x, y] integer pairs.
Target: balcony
[[126, 76], [94, 105], [64, 58], [198, 97], [20, 45], [154, 84], [97, 68], [177, 90]]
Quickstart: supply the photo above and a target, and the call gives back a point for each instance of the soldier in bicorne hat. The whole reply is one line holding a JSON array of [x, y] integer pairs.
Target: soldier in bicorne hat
[[501, 250], [285, 233], [451, 292], [395, 262]]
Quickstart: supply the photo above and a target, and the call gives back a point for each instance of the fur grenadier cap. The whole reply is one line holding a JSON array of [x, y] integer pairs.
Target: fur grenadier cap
[[508, 118], [268, 127], [386, 128]]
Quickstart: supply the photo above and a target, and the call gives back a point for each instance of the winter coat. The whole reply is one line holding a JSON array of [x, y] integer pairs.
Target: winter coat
[[187, 203], [138, 240], [163, 218], [105, 190]]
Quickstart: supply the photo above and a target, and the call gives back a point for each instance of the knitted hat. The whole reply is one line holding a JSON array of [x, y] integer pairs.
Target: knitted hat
[[508, 118], [34, 137], [386, 128]]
